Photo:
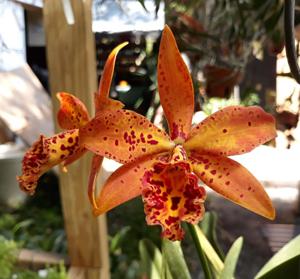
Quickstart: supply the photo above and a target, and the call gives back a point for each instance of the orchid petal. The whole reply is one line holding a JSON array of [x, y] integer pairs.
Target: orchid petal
[[175, 87], [95, 168], [171, 194], [106, 78], [123, 136], [233, 182], [72, 113], [102, 104], [124, 184], [44, 154], [72, 158], [231, 131]]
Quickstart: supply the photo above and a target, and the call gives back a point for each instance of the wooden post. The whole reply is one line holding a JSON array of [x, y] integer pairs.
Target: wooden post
[[72, 68]]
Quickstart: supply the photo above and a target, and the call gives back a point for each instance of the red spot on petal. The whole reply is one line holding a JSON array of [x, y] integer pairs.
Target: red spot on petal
[[153, 142]]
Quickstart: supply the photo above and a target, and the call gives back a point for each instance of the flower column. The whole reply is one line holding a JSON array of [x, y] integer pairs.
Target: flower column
[[72, 68]]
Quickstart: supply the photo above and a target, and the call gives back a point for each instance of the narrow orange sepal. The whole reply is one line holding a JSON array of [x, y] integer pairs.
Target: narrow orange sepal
[[102, 97], [175, 87]]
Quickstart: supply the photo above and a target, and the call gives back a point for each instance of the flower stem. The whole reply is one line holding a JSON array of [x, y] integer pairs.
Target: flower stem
[[202, 257]]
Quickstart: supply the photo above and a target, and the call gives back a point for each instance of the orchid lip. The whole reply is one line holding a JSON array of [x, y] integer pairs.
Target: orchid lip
[[179, 141]]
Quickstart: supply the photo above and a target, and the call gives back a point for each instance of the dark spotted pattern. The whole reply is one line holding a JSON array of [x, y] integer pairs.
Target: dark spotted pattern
[[171, 194]]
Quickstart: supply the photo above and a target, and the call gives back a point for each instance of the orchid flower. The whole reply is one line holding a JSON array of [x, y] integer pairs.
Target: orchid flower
[[165, 168], [65, 147]]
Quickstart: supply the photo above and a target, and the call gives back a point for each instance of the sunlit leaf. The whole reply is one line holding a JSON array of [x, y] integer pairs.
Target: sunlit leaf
[[174, 258], [284, 264], [151, 259], [209, 227], [210, 252], [232, 259]]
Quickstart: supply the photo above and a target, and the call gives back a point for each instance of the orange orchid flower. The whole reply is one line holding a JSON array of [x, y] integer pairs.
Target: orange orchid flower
[[65, 147], [165, 169]]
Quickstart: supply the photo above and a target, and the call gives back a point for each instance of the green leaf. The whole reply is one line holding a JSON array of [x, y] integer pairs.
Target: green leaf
[[210, 252], [209, 226], [284, 264], [173, 257], [8, 257], [142, 2], [231, 259], [118, 239], [151, 259], [166, 274]]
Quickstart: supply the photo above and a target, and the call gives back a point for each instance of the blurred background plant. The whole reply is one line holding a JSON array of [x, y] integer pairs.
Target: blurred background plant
[[168, 260], [221, 37], [225, 33], [9, 250]]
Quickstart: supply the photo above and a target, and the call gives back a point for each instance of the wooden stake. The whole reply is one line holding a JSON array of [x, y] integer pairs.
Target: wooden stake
[[72, 68]]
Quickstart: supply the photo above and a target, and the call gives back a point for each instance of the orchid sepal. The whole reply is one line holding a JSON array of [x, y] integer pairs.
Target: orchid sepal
[[234, 182], [231, 131], [123, 136], [175, 87], [102, 100], [124, 184]]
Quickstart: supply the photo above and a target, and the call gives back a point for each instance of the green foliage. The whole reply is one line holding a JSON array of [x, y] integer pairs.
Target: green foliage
[[121, 264], [124, 242], [35, 228], [8, 254], [215, 103], [56, 272], [225, 33], [118, 239], [50, 273], [8, 270], [216, 265], [38, 224], [209, 228], [168, 262], [151, 259], [249, 97], [232, 259], [284, 264], [174, 259]]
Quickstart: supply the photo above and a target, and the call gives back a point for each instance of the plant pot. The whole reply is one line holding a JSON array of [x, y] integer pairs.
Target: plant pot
[[220, 81]]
